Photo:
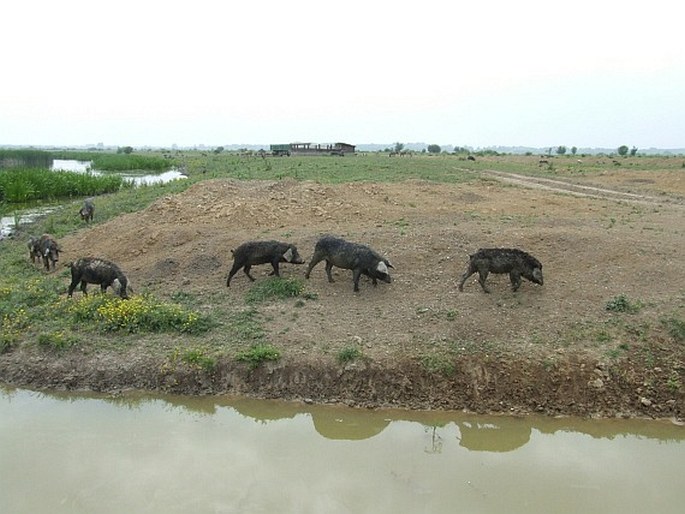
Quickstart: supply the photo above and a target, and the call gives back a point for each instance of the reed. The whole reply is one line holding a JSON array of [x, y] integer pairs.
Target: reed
[[24, 158], [30, 184], [127, 162]]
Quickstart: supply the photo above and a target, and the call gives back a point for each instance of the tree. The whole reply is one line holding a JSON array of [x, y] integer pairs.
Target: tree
[[218, 149], [125, 149], [574, 150], [622, 150], [434, 149], [398, 147], [633, 151], [561, 150]]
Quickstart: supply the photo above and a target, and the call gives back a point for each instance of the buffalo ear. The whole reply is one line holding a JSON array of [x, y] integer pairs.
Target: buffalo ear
[[382, 268], [288, 255]]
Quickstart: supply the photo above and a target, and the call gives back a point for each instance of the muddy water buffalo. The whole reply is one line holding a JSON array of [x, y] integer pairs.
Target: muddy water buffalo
[[93, 270], [503, 260], [254, 253], [359, 258]]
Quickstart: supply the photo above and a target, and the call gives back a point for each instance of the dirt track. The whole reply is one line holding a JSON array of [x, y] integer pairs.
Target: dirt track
[[553, 348], [580, 190]]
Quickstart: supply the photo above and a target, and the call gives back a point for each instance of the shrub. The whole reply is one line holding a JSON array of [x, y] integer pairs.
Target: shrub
[[675, 327], [438, 364], [197, 357], [259, 353], [621, 303], [349, 354]]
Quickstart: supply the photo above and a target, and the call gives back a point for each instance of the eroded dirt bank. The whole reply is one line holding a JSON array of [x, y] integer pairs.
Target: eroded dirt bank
[[571, 386]]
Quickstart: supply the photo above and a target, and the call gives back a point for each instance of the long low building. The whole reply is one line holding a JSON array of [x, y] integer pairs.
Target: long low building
[[340, 149]]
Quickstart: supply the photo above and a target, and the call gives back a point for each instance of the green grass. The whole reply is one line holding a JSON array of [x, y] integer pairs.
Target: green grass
[[198, 357], [274, 288], [440, 364], [621, 303], [141, 313], [675, 327], [349, 354], [56, 340], [257, 354]]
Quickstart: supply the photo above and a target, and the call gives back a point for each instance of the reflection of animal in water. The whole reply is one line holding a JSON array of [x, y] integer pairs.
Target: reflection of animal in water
[[501, 435]]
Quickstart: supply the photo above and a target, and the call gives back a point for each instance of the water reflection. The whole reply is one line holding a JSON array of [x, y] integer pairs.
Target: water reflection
[[138, 453], [494, 433]]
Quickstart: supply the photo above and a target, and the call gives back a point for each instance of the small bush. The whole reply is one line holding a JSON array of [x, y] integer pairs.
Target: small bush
[[676, 328], [349, 354], [438, 364], [259, 353], [621, 303], [197, 357]]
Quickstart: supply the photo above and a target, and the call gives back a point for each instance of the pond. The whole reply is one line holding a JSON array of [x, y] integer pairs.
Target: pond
[[139, 180], [7, 223], [140, 453]]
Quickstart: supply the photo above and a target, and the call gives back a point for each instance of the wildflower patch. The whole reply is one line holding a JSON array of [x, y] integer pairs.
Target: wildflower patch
[[142, 313]]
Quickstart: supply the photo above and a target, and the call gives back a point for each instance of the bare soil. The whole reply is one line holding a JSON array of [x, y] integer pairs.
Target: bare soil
[[552, 348]]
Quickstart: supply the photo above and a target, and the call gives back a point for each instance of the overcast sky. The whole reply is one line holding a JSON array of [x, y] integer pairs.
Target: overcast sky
[[534, 73]]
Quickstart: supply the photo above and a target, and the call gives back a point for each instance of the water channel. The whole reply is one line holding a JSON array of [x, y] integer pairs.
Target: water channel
[[7, 223], [85, 453]]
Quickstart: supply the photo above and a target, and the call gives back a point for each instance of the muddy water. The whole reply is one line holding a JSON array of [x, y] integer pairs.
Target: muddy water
[[70, 453]]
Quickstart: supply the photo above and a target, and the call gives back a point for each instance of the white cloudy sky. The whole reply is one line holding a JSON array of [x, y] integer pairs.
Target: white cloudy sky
[[529, 72]]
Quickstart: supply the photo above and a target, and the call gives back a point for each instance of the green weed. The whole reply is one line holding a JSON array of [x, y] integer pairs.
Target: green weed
[[274, 288], [198, 357], [57, 340], [621, 303], [673, 383], [259, 353], [440, 364], [675, 327], [349, 354]]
